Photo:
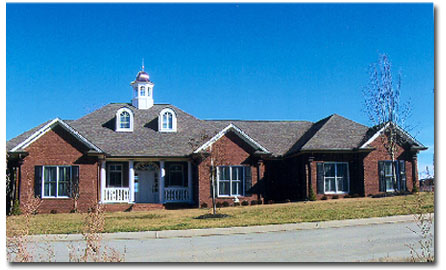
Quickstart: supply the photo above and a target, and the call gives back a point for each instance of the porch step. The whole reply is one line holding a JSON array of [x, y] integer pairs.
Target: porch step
[[146, 206]]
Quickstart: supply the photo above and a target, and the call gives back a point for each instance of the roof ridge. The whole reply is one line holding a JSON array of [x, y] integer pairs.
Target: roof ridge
[[239, 120]]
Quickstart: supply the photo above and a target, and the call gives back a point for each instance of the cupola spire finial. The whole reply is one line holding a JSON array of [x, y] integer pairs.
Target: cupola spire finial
[[142, 64]]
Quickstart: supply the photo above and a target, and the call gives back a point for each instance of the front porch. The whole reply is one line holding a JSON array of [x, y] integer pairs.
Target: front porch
[[146, 182]]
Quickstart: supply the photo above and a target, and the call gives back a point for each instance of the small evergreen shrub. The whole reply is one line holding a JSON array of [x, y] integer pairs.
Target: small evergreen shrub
[[356, 195], [324, 198], [225, 204], [245, 203], [204, 205], [415, 189], [287, 200], [16, 208], [236, 204], [312, 195], [259, 202], [218, 204], [270, 202], [347, 196], [254, 202], [53, 211], [335, 197]]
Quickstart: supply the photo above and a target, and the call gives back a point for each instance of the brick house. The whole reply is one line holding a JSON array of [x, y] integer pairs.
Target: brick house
[[142, 155]]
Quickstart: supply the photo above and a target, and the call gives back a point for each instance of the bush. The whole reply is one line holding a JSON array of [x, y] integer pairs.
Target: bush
[[16, 208], [245, 203], [218, 204], [270, 202], [53, 211], [225, 204], [324, 198], [335, 197], [415, 189], [253, 202], [287, 200], [312, 196], [259, 202], [204, 205], [236, 204], [347, 196], [356, 195]]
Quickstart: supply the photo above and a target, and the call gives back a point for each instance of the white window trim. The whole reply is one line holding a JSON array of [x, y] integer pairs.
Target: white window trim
[[42, 192], [118, 120], [107, 182], [242, 181], [386, 175], [335, 177], [174, 120]]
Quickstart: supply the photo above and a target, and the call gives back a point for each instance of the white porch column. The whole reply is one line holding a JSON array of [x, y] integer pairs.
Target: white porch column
[[189, 180], [103, 180], [161, 187], [131, 181]]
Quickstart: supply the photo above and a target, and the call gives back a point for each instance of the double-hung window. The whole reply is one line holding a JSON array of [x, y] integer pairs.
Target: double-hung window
[[336, 178], [388, 176], [167, 121], [230, 180], [56, 181], [115, 175], [124, 120]]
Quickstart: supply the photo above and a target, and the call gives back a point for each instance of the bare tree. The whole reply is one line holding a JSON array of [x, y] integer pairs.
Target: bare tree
[[384, 108], [215, 156]]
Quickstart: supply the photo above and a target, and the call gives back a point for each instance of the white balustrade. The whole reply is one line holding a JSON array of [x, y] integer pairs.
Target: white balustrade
[[116, 195], [176, 194]]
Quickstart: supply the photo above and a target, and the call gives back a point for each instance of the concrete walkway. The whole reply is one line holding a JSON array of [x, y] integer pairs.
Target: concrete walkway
[[230, 230]]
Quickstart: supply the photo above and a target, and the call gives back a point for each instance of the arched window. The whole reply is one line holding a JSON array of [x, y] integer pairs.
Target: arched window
[[167, 120], [142, 91], [124, 120]]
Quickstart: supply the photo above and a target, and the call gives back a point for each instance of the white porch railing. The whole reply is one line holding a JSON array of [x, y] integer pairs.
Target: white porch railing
[[176, 194], [116, 195]]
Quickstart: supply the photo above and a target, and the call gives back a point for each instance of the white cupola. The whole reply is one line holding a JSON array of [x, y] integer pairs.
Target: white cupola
[[142, 90]]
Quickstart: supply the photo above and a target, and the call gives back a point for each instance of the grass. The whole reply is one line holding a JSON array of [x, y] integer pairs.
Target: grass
[[156, 220]]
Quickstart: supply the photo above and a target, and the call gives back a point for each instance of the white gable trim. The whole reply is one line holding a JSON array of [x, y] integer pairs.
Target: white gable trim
[[43, 130], [238, 131], [379, 132]]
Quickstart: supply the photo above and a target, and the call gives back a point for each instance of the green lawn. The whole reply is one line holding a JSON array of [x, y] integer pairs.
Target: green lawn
[[240, 215]]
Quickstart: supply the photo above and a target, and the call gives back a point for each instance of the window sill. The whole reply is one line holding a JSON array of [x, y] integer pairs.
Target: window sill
[[229, 196], [335, 193], [55, 198]]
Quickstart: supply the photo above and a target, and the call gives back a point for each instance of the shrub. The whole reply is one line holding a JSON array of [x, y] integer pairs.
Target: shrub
[[356, 195], [270, 202], [218, 204], [259, 202], [324, 198], [335, 197], [312, 196], [415, 189], [236, 204], [16, 208], [287, 200], [225, 204], [204, 205], [253, 202], [53, 211], [347, 196], [245, 203]]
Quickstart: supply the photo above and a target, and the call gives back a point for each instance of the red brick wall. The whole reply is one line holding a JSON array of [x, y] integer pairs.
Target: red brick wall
[[229, 150], [371, 177], [58, 147]]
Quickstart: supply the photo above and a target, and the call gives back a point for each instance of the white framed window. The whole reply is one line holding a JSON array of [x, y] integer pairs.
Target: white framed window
[[124, 120], [56, 181], [336, 178], [142, 91], [167, 120], [115, 175], [388, 175], [230, 181]]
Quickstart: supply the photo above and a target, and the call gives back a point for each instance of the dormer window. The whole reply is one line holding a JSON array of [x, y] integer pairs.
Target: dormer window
[[142, 91], [124, 120], [167, 121]]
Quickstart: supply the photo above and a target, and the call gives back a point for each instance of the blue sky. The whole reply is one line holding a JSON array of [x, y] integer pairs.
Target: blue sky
[[216, 61]]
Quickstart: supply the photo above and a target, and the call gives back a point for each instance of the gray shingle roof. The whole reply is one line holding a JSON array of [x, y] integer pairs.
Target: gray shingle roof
[[278, 137]]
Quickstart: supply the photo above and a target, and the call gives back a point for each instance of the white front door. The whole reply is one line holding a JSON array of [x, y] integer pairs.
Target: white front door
[[146, 187]]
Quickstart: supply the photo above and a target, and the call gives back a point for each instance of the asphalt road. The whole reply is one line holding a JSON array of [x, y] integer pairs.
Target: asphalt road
[[346, 244]]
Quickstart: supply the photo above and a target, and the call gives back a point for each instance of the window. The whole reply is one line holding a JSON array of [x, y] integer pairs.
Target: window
[[336, 177], [176, 175], [386, 175], [230, 180], [115, 176], [167, 121], [142, 91], [124, 120], [56, 181]]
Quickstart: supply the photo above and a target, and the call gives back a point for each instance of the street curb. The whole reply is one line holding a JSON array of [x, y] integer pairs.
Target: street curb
[[228, 231]]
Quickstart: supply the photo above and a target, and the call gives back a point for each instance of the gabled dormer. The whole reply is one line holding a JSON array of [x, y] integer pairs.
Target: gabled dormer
[[142, 90]]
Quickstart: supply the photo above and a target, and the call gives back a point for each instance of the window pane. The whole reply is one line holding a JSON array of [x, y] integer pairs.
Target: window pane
[[170, 121], [389, 183], [64, 189], [342, 170], [340, 183], [223, 188], [165, 120], [176, 179], [50, 174], [330, 184], [124, 120], [115, 179], [329, 170], [224, 173], [236, 188], [388, 168], [64, 174]]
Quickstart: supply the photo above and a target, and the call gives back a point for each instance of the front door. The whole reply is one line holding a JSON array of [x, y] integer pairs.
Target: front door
[[146, 187]]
